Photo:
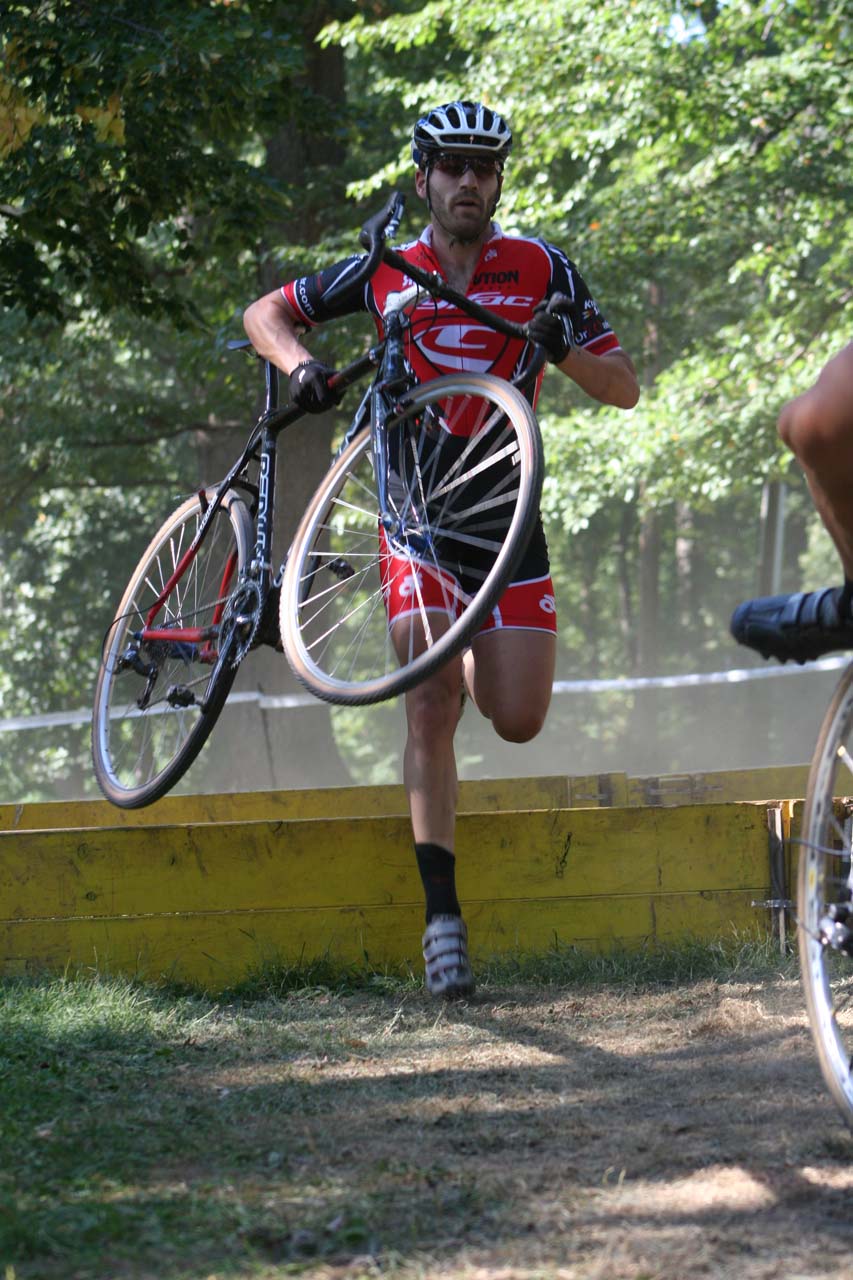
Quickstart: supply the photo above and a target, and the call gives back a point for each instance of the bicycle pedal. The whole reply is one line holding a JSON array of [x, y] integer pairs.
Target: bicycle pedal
[[180, 696], [341, 568]]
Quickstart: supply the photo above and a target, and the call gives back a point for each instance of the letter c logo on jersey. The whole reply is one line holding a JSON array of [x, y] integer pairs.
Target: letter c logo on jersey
[[548, 604], [472, 347]]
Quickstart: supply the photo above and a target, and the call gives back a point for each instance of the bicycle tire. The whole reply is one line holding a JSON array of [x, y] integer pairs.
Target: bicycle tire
[[824, 885], [140, 752], [332, 613]]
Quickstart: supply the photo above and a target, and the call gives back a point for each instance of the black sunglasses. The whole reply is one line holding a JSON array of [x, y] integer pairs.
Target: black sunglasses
[[454, 165]]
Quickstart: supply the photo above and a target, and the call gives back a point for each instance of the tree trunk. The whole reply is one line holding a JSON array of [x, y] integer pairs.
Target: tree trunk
[[627, 619], [650, 534], [684, 573], [771, 555], [293, 746], [649, 575]]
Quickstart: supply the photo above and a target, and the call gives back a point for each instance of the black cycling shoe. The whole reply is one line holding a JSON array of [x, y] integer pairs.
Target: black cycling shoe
[[802, 626]]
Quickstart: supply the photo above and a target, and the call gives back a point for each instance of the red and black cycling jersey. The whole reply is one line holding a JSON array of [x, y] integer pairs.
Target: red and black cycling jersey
[[513, 274]]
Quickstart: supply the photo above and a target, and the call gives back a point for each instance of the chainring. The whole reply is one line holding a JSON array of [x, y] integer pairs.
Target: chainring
[[242, 616]]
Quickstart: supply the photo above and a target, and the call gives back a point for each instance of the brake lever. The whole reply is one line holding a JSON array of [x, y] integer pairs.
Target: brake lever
[[558, 304]]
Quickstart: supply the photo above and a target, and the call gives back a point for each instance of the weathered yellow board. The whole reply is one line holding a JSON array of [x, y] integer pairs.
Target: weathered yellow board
[[599, 790], [488, 795], [205, 903], [782, 782], [218, 950]]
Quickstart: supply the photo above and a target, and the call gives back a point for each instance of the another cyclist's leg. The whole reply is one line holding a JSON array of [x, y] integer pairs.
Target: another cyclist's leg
[[818, 428]]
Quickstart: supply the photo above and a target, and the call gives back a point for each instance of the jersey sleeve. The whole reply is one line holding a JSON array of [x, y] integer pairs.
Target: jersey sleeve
[[591, 329], [325, 295]]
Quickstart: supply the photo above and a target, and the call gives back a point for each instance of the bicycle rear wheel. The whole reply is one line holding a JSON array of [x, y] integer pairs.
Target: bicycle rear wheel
[[464, 466], [825, 911], [157, 701]]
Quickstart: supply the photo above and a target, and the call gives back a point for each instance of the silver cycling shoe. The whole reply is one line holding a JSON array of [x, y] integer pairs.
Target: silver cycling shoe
[[448, 969]]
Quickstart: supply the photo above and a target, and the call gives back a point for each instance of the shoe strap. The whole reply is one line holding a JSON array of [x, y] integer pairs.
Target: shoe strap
[[813, 609]]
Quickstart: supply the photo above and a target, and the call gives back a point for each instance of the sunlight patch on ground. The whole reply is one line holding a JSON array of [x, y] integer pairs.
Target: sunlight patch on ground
[[715, 1188]]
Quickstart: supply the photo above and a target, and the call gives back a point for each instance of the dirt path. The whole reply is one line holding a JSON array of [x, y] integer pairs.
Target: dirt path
[[658, 1135]]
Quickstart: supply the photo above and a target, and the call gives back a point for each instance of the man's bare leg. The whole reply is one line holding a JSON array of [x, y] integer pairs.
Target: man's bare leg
[[429, 774], [818, 428], [429, 761], [510, 674]]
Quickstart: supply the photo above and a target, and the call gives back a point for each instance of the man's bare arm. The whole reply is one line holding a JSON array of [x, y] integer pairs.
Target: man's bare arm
[[610, 379], [273, 329]]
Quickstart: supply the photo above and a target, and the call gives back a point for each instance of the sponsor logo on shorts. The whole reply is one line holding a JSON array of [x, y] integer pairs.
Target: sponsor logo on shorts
[[411, 583]]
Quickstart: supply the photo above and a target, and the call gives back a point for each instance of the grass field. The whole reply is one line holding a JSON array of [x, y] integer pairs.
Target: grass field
[[643, 1117]]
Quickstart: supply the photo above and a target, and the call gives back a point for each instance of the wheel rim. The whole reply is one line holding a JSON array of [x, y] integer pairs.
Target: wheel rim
[[825, 880], [457, 508], [136, 749]]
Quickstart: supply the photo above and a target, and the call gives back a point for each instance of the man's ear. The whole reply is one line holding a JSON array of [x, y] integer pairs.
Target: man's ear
[[421, 183]]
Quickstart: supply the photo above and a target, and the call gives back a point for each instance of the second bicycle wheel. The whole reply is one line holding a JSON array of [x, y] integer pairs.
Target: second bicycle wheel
[[156, 700], [463, 460], [824, 907]]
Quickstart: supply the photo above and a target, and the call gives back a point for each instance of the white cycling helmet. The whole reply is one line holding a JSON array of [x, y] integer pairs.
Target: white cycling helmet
[[461, 126]]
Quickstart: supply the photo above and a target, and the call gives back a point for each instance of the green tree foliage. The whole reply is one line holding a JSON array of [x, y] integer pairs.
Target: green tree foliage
[[125, 151], [161, 161], [700, 181], [692, 159], [136, 209]]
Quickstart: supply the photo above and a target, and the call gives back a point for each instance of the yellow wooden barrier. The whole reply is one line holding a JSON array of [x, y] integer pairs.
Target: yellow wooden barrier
[[206, 903], [486, 796]]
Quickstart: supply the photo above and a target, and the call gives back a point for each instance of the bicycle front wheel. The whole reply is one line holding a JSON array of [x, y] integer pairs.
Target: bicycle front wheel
[[825, 883], [462, 456], [156, 701]]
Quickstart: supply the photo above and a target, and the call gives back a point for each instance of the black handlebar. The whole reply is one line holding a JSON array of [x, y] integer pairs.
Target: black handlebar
[[373, 235], [383, 226]]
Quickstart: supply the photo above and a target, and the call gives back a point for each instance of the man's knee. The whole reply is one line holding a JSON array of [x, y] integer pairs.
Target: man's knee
[[518, 724], [432, 709]]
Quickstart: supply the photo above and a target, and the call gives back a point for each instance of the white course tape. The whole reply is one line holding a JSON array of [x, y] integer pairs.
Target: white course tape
[[626, 684]]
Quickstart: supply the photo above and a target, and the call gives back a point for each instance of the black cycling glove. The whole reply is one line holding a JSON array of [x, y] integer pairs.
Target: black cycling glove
[[552, 329], [309, 387]]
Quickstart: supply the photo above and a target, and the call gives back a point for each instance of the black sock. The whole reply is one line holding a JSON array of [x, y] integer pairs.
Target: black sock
[[438, 873]]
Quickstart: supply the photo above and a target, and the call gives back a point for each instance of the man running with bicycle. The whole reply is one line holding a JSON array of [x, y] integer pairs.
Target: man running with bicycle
[[459, 151]]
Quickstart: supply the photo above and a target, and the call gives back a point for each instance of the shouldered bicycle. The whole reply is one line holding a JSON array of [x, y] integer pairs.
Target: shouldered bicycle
[[405, 496]]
